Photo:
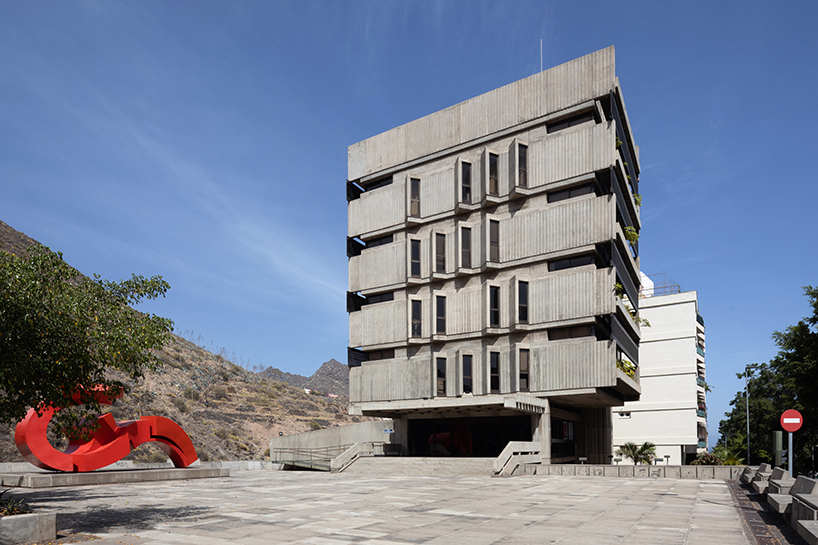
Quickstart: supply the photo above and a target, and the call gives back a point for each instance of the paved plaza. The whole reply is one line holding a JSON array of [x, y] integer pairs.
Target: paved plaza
[[261, 507]]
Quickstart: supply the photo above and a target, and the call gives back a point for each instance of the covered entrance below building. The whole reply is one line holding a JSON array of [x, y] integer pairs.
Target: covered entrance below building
[[473, 436]]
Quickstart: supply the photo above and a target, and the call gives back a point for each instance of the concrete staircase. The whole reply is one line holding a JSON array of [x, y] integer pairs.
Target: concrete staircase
[[401, 465]]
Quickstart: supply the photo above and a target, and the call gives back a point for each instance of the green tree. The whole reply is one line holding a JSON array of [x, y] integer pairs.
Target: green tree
[[61, 333], [638, 454], [788, 381]]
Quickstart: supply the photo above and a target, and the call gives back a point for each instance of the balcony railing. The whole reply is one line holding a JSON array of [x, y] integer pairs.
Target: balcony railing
[[701, 413], [700, 381], [700, 319], [700, 350], [702, 444]]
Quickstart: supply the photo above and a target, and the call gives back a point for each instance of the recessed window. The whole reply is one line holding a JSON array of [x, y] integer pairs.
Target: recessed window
[[416, 323], [441, 315], [441, 376], [494, 372], [573, 332], [494, 306], [494, 167], [467, 387], [380, 298], [415, 258], [571, 192], [570, 262], [524, 357], [376, 184], [375, 242], [381, 354], [494, 241], [522, 165], [414, 198], [522, 294], [578, 119], [440, 253], [465, 247], [465, 183]]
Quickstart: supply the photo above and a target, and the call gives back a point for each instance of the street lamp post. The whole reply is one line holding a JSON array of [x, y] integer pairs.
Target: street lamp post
[[747, 370]]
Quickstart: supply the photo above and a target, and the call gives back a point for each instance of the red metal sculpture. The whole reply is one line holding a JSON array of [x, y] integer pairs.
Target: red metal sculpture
[[111, 442]]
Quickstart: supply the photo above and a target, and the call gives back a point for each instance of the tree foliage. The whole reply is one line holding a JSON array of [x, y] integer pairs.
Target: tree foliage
[[638, 454], [63, 333], [788, 381]]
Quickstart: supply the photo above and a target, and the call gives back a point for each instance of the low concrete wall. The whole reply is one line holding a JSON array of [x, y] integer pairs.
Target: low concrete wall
[[346, 435], [630, 471], [28, 528]]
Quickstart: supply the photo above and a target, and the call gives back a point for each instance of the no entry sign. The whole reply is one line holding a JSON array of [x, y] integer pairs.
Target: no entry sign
[[791, 420]]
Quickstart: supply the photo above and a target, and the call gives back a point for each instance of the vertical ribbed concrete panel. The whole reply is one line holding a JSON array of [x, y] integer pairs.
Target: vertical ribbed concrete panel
[[573, 152], [378, 209], [391, 379], [555, 89], [465, 310], [436, 195], [383, 323], [580, 363], [376, 267], [562, 227], [587, 292]]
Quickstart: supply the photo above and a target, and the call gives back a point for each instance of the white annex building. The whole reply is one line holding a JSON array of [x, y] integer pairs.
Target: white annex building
[[672, 411]]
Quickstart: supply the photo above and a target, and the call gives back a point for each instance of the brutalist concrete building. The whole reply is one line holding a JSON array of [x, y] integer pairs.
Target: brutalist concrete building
[[494, 269]]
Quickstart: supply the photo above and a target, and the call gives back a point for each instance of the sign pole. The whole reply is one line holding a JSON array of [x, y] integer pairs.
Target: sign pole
[[791, 421], [789, 453]]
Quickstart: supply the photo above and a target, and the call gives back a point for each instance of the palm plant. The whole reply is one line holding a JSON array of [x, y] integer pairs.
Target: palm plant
[[639, 454]]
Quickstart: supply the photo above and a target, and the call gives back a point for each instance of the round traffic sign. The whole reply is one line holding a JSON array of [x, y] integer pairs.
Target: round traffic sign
[[791, 420]]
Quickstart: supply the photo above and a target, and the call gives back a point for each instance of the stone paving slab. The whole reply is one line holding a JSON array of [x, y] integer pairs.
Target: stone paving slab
[[256, 507]]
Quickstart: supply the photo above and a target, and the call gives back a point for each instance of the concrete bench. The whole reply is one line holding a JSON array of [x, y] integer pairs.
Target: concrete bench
[[808, 530], [804, 507], [747, 474], [761, 479], [782, 502]]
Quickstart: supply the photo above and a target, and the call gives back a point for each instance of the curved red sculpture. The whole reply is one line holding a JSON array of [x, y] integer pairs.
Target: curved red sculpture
[[110, 443]]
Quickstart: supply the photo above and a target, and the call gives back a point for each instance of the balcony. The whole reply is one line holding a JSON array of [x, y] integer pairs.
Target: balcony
[[700, 382], [701, 413], [700, 319], [700, 350], [702, 444]]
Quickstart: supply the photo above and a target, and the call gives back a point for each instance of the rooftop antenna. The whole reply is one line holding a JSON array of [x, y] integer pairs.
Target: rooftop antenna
[[540, 54]]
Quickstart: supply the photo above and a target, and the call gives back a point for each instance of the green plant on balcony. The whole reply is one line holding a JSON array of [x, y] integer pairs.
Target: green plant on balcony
[[642, 322], [631, 234], [627, 367], [618, 143], [637, 198], [619, 289]]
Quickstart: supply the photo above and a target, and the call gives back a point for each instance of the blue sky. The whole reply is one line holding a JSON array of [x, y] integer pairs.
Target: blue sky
[[206, 142]]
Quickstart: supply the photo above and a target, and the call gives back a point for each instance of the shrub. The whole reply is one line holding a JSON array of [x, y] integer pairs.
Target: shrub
[[221, 433], [706, 459], [219, 393], [315, 425], [191, 394], [180, 404]]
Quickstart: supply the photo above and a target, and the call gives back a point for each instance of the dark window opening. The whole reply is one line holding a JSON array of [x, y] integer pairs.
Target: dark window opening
[[522, 290], [381, 354], [524, 356], [493, 168], [441, 315], [440, 253], [494, 372], [467, 388], [465, 247], [570, 262], [572, 332], [355, 302], [380, 298], [375, 242], [571, 121], [416, 323], [522, 165], [571, 192], [415, 258], [494, 241], [441, 376], [465, 183], [494, 306], [414, 198], [376, 184], [354, 247]]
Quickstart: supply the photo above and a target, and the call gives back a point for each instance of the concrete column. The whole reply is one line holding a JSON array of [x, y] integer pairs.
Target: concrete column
[[541, 431]]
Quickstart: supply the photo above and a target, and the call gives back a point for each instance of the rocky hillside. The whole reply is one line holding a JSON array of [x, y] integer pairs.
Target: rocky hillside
[[230, 413], [331, 378]]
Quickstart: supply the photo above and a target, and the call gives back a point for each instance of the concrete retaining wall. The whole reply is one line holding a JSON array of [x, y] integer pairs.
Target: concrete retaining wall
[[630, 471], [345, 435]]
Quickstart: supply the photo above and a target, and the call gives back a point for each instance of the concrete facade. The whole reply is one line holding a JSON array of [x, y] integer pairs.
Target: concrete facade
[[672, 411], [493, 291]]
